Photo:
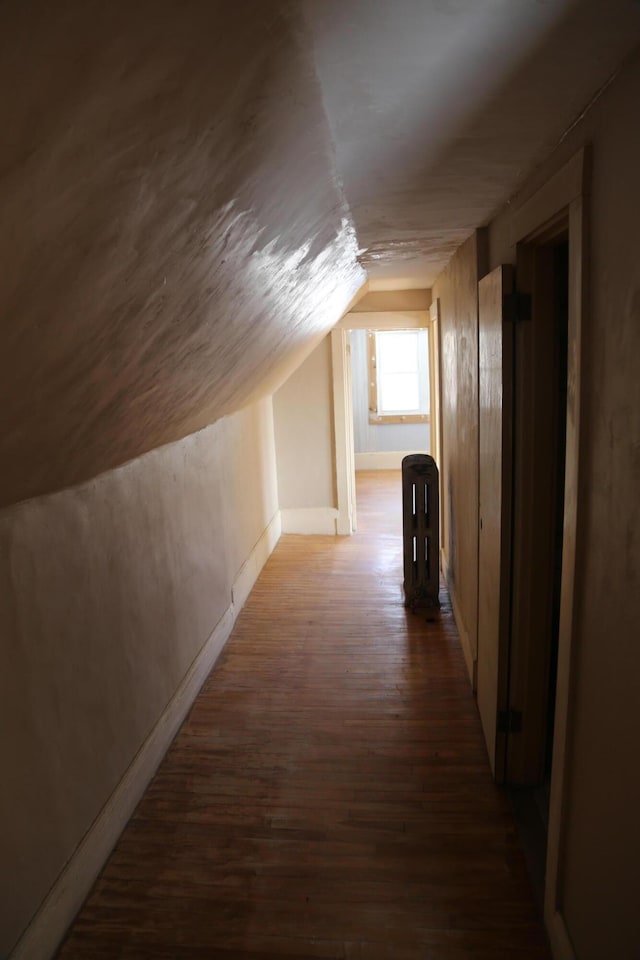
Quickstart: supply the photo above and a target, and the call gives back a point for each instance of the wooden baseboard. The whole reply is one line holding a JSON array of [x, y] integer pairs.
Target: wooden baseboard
[[310, 520], [465, 642], [382, 459], [47, 928]]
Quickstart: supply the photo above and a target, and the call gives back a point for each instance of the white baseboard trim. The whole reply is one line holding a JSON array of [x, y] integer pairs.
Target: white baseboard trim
[[465, 642], [250, 569], [310, 520], [382, 459], [42, 937]]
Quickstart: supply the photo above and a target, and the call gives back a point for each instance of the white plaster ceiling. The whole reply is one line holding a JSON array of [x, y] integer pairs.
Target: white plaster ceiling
[[185, 186], [438, 109]]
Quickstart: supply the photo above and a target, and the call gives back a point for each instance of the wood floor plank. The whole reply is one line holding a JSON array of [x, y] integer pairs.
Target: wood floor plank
[[329, 795]]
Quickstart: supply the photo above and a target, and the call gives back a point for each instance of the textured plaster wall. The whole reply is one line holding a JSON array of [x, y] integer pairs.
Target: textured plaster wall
[[173, 230], [173, 235], [601, 863], [457, 287], [108, 591], [305, 445]]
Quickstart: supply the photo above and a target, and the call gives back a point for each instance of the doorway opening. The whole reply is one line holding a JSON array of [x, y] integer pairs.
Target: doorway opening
[[530, 374], [384, 397], [391, 399], [539, 464]]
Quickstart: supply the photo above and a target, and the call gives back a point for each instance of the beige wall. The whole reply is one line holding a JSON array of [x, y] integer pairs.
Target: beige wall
[[602, 855], [305, 446], [384, 301], [108, 591], [457, 288]]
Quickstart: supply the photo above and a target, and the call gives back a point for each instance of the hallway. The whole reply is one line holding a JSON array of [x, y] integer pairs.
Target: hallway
[[329, 795]]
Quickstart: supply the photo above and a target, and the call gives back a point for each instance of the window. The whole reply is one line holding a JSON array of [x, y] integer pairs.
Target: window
[[398, 376]]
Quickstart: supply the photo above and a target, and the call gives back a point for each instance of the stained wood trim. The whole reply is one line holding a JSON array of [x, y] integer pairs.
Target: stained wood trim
[[578, 299], [495, 467], [48, 926], [566, 191], [535, 214]]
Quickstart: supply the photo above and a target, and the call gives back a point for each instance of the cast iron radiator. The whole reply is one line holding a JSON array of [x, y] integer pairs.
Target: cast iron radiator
[[420, 527]]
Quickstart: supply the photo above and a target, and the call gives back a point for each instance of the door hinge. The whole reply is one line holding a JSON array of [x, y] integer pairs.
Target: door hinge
[[516, 307], [509, 721]]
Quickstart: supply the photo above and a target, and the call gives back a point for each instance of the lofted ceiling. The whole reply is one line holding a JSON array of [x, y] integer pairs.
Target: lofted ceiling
[[191, 191]]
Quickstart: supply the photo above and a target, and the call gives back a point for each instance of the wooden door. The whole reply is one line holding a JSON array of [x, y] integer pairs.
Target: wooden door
[[495, 469]]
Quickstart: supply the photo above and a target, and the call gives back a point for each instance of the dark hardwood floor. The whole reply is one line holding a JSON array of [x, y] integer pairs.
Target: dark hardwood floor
[[329, 795]]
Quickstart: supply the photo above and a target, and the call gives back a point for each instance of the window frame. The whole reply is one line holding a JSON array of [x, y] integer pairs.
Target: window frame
[[375, 417]]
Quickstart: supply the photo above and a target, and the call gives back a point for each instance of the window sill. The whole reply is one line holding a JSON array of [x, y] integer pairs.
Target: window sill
[[381, 418]]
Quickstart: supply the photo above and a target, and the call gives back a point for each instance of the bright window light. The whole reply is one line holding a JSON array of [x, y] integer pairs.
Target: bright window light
[[400, 370]]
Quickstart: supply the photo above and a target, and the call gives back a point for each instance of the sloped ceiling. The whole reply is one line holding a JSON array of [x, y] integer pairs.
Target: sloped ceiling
[[171, 224], [439, 110], [188, 189]]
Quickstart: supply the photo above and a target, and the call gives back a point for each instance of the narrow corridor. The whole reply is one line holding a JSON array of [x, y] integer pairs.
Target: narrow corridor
[[329, 795]]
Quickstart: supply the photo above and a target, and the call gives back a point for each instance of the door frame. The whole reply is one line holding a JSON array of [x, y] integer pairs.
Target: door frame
[[345, 473], [436, 438], [343, 430], [564, 195], [537, 415]]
